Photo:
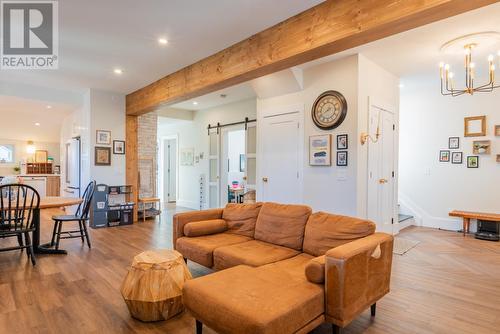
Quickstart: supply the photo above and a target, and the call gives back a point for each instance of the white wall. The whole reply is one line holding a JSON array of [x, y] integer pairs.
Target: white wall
[[335, 189], [104, 111], [193, 134], [431, 189]]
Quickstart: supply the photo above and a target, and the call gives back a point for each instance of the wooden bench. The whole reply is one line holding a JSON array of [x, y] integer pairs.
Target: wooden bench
[[468, 215]]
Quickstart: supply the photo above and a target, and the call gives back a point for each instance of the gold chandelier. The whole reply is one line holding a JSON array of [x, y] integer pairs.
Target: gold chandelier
[[447, 83]]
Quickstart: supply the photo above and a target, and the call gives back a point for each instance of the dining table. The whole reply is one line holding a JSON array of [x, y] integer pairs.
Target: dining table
[[49, 202]]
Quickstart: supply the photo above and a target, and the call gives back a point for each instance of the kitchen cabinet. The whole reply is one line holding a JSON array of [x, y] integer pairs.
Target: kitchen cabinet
[[37, 182], [53, 186]]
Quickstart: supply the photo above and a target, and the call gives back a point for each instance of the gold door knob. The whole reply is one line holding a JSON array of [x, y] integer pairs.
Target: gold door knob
[[382, 181], [244, 178], [264, 179]]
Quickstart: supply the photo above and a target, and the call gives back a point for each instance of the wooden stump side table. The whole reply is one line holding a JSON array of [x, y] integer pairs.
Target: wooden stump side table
[[152, 288]]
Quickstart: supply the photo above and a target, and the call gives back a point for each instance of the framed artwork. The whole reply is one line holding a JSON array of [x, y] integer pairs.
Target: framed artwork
[[320, 149], [456, 157], [481, 147], [242, 163], [475, 126], [453, 143], [342, 158], [473, 161], [187, 157], [444, 156], [342, 142], [497, 130], [103, 137], [118, 147], [41, 156], [102, 156]]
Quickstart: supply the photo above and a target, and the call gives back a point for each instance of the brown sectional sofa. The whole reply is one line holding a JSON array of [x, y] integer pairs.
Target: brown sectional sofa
[[280, 268]]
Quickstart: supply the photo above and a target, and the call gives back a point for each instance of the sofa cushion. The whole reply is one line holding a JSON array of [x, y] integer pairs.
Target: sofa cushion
[[200, 249], [315, 270], [325, 231], [254, 253], [241, 218], [282, 224], [205, 227], [272, 299]]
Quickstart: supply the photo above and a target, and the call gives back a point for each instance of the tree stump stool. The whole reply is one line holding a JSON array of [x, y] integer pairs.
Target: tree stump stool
[[152, 288]]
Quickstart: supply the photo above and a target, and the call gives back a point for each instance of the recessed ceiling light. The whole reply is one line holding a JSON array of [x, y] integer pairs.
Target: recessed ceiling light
[[195, 103], [401, 85], [118, 71], [49, 107], [37, 124], [162, 41]]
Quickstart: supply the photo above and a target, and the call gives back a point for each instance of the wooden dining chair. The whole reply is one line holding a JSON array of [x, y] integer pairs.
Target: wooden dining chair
[[18, 203], [81, 216]]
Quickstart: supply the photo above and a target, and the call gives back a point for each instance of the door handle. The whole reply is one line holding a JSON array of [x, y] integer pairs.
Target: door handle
[[264, 179], [382, 181], [244, 178]]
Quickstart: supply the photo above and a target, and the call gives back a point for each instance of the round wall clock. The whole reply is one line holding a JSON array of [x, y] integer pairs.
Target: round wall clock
[[329, 110]]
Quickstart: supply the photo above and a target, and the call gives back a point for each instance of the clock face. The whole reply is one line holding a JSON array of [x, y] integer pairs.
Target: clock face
[[329, 110]]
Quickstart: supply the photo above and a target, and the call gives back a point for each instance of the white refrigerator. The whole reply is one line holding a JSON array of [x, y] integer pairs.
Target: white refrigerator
[[73, 168]]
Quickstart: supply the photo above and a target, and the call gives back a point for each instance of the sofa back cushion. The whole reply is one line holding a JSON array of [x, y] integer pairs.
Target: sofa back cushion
[[282, 224], [325, 231], [241, 218]]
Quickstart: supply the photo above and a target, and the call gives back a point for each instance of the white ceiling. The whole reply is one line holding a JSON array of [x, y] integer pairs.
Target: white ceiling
[[96, 36], [19, 115]]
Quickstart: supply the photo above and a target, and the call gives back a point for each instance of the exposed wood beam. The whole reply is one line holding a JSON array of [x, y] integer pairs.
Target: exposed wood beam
[[328, 28], [132, 159]]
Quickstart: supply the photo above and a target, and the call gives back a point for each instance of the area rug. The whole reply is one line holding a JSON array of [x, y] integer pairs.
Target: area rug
[[402, 245]]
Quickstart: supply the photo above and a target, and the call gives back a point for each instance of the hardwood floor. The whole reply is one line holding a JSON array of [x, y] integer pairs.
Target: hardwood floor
[[446, 284]]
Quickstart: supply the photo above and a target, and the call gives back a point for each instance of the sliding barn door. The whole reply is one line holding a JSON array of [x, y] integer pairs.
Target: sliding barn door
[[251, 156], [214, 170]]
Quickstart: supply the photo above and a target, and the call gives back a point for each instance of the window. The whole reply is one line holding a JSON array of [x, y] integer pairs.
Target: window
[[6, 153]]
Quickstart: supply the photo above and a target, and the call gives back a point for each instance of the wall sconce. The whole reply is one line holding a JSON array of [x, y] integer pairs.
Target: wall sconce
[[365, 136], [30, 149]]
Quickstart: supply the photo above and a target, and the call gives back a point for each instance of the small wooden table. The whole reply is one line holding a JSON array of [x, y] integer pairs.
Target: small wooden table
[[148, 200], [468, 215], [152, 288]]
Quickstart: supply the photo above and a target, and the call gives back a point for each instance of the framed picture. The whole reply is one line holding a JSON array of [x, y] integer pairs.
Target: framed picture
[[342, 142], [187, 157], [41, 156], [103, 137], [444, 156], [453, 143], [242, 163], [497, 130], [102, 156], [320, 148], [473, 161], [475, 126], [118, 147], [342, 158], [456, 157]]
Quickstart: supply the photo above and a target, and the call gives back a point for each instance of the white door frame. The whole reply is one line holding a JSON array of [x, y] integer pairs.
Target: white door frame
[[223, 192], [277, 111], [161, 174]]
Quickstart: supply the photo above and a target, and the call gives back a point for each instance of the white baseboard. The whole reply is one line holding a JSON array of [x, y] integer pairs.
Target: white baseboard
[[188, 204]]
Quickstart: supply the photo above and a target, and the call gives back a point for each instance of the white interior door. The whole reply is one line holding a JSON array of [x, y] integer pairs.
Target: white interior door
[[381, 166], [214, 170], [251, 157], [281, 158]]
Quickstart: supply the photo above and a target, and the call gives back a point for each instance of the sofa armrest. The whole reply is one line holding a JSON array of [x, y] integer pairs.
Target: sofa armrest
[[181, 219], [357, 275], [205, 227]]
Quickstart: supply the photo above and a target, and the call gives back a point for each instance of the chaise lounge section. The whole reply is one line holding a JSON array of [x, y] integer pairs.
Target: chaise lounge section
[[280, 268]]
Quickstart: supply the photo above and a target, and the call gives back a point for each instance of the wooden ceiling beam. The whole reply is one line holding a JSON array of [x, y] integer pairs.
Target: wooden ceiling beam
[[328, 28]]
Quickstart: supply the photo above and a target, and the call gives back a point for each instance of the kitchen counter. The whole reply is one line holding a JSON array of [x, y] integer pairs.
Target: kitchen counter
[[37, 175]]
